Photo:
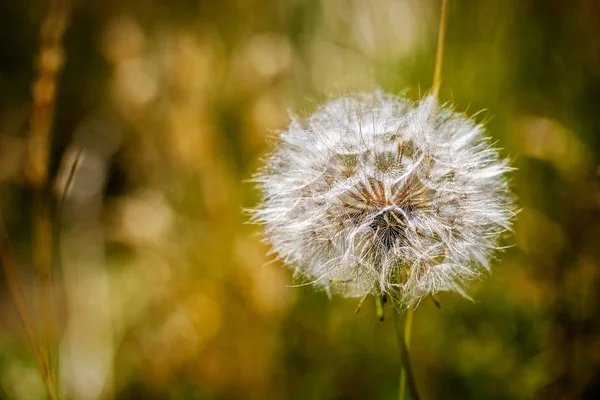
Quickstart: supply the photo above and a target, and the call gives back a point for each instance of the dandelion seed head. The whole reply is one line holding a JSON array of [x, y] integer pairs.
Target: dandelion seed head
[[375, 194]]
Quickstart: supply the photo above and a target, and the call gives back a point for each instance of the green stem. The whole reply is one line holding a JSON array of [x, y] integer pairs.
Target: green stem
[[17, 292], [403, 331]]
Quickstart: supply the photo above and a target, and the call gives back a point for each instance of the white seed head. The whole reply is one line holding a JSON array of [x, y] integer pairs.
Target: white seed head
[[376, 194]]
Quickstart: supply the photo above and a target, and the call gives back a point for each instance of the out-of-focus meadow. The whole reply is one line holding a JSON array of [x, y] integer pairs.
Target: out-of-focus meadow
[[162, 113]]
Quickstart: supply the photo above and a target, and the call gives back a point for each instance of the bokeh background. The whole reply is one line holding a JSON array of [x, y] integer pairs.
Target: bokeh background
[[162, 114]]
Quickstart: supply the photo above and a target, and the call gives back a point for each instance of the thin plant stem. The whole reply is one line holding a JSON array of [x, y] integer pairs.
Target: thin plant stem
[[439, 57], [17, 293], [407, 332], [403, 332], [50, 63]]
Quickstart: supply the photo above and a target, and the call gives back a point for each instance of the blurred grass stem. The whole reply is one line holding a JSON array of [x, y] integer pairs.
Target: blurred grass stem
[[439, 57], [50, 63], [17, 293]]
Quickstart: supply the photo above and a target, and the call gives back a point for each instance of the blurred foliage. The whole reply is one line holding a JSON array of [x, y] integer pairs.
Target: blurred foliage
[[163, 112]]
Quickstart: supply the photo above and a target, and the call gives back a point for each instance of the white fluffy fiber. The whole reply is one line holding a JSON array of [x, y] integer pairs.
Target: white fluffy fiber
[[375, 194]]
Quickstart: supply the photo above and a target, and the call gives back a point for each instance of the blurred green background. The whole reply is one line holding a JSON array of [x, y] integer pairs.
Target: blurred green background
[[164, 110]]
